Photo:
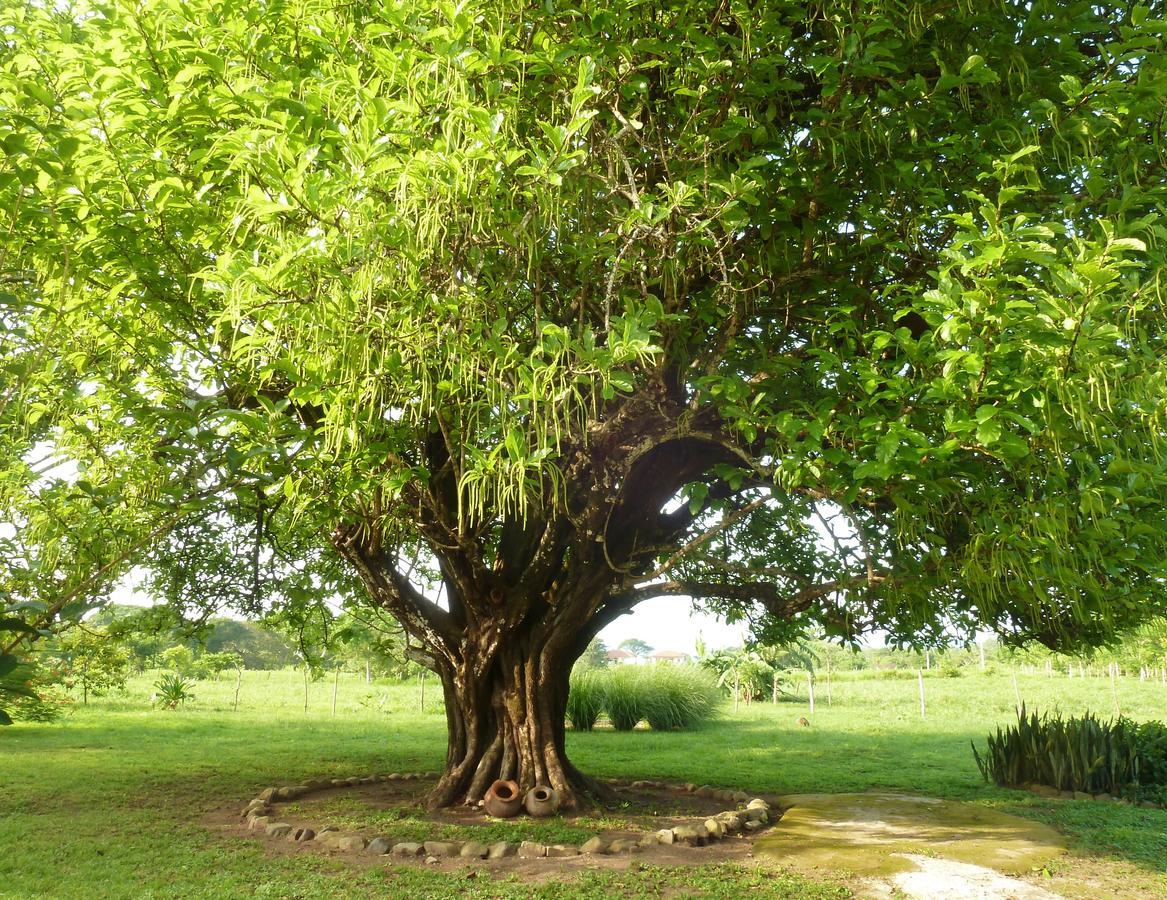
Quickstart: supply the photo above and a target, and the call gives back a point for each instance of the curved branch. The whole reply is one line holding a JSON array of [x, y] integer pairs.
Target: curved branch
[[766, 593]]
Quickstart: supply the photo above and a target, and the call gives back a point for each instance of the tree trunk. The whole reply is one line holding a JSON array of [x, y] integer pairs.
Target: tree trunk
[[505, 712], [523, 594]]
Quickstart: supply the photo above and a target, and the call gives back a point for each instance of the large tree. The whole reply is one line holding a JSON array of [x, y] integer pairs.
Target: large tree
[[820, 312]]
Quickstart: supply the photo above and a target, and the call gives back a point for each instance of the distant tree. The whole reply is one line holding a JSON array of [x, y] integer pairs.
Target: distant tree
[[259, 647], [183, 660], [374, 640], [144, 631], [88, 659], [595, 656], [636, 647]]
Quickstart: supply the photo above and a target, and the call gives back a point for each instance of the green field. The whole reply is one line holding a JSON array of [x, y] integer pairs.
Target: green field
[[112, 800]]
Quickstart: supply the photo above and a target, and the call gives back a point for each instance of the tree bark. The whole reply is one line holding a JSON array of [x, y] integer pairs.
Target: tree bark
[[505, 712]]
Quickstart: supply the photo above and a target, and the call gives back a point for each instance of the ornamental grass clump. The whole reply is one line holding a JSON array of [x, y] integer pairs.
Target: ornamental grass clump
[[680, 696], [1086, 754], [666, 696], [626, 697], [585, 700]]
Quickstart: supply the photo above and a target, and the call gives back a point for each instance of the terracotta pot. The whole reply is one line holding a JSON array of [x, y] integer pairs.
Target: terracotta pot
[[502, 800], [541, 801]]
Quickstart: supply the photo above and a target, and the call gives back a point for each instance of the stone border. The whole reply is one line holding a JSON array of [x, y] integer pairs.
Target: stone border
[[754, 815]]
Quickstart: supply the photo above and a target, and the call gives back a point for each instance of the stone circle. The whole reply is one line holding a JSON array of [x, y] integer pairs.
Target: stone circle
[[751, 815]]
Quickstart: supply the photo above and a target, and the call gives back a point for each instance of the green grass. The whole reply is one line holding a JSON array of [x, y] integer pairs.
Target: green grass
[[111, 801]]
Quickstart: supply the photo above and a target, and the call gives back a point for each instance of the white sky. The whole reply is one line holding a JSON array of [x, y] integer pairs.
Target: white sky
[[671, 623]]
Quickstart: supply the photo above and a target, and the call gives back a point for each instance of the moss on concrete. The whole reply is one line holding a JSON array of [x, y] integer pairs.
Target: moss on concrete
[[870, 834]]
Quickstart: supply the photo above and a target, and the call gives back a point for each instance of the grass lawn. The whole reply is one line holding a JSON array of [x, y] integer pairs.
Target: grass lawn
[[112, 800]]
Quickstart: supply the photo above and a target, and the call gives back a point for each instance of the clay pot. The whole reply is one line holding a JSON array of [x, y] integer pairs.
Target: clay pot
[[502, 799], [541, 801]]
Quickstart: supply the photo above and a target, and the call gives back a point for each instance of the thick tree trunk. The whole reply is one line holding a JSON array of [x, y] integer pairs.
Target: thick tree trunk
[[505, 709], [524, 594]]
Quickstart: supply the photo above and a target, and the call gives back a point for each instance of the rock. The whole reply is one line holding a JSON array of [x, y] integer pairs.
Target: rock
[[705, 791], [562, 850], [474, 850], [716, 829], [624, 846], [286, 793], [739, 796], [640, 785], [330, 838], [299, 835], [431, 860], [752, 825], [688, 788], [1066, 795], [1148, 804], [442, 848], [758, 803], [255, 823], [688, 834], [1082, 795], [352, 782], [351, 843], [1099, 798], [394, 776], [1044, 790], [594, 845], [255, 808], [531, 850], [649, 840], [337, 782], [731, 821], [369, 779], [723, 796], [408, 848], [501, 850], [665, 836], [379, 845], [278, 829], [756, 814]]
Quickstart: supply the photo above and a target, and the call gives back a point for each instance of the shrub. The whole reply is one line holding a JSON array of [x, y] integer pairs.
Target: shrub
[[1078, 754], [585, 698], [171, 691], [27, 692]]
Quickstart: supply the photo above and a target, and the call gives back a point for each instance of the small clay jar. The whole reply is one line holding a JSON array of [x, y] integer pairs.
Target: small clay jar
[[502, 800], [541, 801]]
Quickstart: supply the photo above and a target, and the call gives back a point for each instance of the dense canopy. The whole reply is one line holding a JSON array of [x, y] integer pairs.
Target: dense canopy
[[847, 314]]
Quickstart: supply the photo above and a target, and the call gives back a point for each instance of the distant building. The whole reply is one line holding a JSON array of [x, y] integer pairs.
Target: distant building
[[673, 656], [619, 656]]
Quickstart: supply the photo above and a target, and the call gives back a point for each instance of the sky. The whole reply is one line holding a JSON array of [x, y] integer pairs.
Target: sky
[[671, 623]]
